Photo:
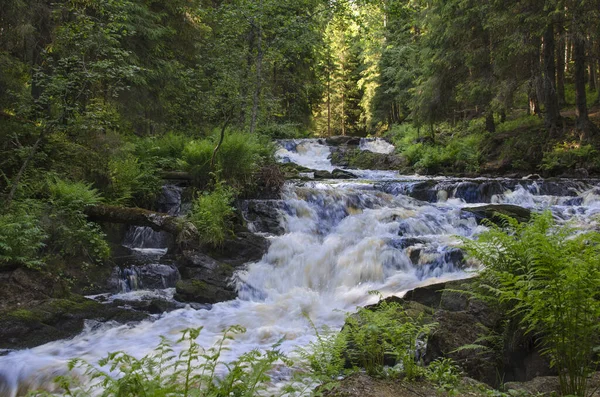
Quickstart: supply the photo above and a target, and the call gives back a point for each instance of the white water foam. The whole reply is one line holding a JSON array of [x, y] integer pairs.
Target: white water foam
[[310, 153], [376, 145]]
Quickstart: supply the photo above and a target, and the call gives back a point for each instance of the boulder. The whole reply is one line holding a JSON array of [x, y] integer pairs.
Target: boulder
[[464, 320], [494, 212]]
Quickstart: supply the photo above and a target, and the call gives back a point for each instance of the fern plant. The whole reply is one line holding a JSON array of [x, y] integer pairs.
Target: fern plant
[[387, 335], [546, 276], [211, 215], [191, 373], [21, 236]]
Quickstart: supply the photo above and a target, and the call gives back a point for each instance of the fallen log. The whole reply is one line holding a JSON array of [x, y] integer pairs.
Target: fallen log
[[158, 221]]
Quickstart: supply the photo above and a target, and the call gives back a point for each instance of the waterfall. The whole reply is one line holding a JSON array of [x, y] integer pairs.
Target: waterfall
[[332, 243]]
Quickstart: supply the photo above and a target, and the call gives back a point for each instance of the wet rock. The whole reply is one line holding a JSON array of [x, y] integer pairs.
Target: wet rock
[[491, 212], [264, 216], [158, 276], [202, 292], [579, 173], [52, 319], [355, 158], [342, 174], [462, 320], [243, 248], [205, 280], [342, 140], [414, 254], [455, 256], [154, 306], [405, 242]]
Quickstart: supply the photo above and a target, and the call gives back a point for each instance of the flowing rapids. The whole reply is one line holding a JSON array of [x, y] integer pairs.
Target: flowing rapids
[[342, 239]]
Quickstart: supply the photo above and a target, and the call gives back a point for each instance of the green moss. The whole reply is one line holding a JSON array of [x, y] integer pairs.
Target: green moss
[[23, 315]]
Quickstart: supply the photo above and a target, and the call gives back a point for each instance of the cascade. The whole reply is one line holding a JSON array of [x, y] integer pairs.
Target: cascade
[[332, 243]]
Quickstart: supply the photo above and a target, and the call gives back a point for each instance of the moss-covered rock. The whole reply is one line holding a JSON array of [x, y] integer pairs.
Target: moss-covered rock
[[51, 319]]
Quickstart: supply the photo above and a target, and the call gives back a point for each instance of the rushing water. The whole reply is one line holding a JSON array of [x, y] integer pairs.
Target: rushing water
[[341, 240]]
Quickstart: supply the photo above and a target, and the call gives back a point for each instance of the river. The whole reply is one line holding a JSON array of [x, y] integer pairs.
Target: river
[[342, 239]]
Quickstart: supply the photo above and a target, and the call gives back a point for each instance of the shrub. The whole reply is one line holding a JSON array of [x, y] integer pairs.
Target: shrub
[[546, 277], [21, 236], [211, 215], [455, 149], [444, 373], [240, 157]]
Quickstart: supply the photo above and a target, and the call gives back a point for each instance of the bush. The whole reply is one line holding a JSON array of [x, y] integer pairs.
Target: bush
[[21, 236], [72, 194], [211, 215], [546, 277]]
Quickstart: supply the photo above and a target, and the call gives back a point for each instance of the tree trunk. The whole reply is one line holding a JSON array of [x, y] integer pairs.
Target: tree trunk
[[560, 68], [329, 102], [343, 113], [490, 126], [552, 115], [259, 61], [221, 138], [586, 128], [592, 71]]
